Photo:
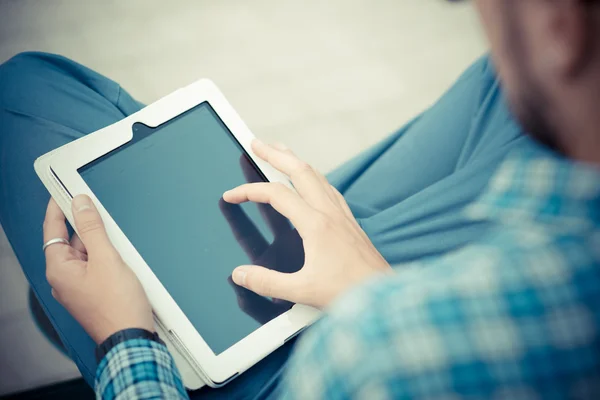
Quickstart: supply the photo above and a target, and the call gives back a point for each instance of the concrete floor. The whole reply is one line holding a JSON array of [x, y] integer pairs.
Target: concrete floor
[[326, 78]]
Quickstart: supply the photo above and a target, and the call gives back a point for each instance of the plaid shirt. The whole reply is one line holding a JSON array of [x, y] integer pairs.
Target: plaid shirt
[[139, 369], [515, 316]]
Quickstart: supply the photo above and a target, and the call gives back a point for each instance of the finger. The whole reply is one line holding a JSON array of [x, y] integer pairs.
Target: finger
[[268, 283], [55, 227], [275, 221], [301, 174], [245, 232], [54, 222], [90, 227], [282, 147], [260, 309], [77, 244], [282, 198], [328, 188]]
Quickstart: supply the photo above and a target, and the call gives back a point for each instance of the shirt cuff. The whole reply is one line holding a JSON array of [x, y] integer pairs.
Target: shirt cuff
[[139, 369]]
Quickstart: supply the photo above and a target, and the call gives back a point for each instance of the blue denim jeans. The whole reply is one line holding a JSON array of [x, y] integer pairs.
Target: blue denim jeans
[[407, 192]]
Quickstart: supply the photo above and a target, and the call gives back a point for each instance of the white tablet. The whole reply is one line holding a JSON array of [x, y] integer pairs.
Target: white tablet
[[157, 178]]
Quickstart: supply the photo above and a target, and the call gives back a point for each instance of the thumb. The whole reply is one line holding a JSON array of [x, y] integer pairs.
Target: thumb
[[90, 227], [268, 283]]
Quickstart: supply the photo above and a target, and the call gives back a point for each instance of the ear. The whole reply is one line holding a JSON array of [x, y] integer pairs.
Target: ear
[[569, 36]]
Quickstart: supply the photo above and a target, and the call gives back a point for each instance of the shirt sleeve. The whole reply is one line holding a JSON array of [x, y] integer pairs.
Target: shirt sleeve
[[139, 369], [472, 327]]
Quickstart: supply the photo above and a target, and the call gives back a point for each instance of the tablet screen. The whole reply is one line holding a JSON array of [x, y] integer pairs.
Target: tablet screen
[[164, 188]]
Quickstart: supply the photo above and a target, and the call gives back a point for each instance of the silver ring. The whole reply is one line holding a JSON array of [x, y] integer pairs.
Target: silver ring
[[54, 241]]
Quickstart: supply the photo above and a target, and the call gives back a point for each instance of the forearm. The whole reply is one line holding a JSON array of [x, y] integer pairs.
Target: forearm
[[139, 369]]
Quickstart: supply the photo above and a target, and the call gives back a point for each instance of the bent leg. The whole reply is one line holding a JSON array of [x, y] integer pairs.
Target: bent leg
[[409, 191], [47, 101]]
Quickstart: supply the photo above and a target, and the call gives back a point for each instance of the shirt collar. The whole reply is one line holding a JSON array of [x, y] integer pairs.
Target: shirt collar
[[537, 185]]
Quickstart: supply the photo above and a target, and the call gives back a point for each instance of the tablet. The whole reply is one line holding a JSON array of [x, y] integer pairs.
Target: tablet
[[157, 178]]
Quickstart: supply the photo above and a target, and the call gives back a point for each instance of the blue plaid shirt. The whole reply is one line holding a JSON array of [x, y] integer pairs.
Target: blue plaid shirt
[[515, 315]]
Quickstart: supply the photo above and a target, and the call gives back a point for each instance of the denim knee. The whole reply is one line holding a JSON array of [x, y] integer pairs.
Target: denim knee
[[22, 75], [29, 63]]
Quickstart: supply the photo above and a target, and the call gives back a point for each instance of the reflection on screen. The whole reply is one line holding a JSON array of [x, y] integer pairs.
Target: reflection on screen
[[164, 191]]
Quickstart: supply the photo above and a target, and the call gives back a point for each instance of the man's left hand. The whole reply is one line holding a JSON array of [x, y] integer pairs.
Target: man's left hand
[[89, 277]]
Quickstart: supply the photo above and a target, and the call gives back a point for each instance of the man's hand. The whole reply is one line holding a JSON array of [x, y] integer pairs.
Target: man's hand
[[91, 281], [338, 254]]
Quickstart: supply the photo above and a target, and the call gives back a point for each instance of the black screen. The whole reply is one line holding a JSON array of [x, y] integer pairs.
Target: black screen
[[164, 188]]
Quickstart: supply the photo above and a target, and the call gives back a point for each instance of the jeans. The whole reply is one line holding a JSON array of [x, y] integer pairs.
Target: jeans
[[407, 192]]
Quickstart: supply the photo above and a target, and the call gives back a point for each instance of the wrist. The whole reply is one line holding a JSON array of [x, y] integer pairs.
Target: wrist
[[109, 321], [123, 335]]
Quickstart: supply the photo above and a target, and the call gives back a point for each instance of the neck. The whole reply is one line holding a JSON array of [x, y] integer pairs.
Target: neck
[[584, 148], [578, 126]]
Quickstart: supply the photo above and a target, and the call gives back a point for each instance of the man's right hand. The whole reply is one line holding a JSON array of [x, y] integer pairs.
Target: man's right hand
[[338, 253]]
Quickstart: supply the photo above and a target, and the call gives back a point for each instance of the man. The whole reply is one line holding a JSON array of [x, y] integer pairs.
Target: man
[[514, 314]]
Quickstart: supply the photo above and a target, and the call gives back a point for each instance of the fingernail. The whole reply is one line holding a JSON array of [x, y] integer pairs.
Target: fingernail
[[226, 195], [239, 276], [81, 203], [258, 142]]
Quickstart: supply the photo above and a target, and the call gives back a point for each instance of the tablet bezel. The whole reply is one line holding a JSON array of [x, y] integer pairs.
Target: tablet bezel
[[254, 347]]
